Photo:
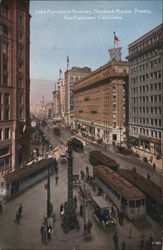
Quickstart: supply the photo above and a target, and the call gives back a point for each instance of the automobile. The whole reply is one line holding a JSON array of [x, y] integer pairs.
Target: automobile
[[76, 180], [63, 158], [102, 212], [85, 192]]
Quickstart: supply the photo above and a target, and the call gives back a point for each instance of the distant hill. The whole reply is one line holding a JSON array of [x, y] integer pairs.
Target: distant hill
[[41, 88]]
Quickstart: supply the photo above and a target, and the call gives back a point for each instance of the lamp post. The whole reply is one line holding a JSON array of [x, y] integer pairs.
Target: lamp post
[[48, 193], [120, 136]]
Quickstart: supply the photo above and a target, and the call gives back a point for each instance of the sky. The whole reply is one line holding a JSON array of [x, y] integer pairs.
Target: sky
[[57, 32]]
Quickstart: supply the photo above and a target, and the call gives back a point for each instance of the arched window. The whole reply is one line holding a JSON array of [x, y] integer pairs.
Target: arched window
[[3, 30]]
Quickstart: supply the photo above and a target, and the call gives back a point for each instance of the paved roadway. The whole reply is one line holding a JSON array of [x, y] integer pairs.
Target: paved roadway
[[27, 234]]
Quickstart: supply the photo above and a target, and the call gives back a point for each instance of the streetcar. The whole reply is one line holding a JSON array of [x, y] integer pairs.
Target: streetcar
[[121, 192], [97, 158]]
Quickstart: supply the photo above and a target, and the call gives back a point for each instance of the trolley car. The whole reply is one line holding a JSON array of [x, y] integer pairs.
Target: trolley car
[[121, 192], [97, 158]]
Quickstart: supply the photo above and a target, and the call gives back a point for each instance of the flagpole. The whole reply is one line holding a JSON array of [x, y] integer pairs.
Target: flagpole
[[114, 39]]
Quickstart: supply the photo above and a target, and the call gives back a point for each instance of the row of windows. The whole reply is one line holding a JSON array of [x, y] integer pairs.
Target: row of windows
[[145, 88], [144, 56], [147, 121], [146, 99], [144, 44], [146, 132], [4, 134], [5, 114], [144, 66], [151, 76], [146, 110]]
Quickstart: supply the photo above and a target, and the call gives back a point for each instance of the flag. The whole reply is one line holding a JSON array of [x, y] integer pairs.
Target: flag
[[60, 73], [67, 62], [116, 40]]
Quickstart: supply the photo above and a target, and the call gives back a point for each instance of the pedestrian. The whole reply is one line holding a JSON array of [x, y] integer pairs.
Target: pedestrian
[[141, 244], [115, 240], [17, 219], [45, 234], [61, 210], [42, 233], [20, 209], [1, 207], [87, 170], [123, 246], [56, 179], [49, 230], [154, 166]]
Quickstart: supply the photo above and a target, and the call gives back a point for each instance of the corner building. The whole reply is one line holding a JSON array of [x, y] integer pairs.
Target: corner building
[[145, 91], [100, 103], [71, 76], [14, 84]]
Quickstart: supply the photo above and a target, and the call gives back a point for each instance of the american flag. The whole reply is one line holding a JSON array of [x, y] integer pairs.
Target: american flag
[[68, 62], [116, 40]]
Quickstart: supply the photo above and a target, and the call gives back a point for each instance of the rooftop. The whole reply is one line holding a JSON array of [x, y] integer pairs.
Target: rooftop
[[119, 184]]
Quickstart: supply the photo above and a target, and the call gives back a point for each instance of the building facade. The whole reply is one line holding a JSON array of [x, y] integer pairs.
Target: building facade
[[56, 107], [71, 76], [100, 103], [14, 84], [145, 91], [61, 90]]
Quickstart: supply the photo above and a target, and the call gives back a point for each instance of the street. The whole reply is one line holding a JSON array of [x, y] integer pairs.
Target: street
[[27, 235]]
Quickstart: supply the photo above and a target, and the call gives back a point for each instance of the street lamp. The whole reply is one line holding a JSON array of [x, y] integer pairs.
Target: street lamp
[[120, 136], [48, 193]]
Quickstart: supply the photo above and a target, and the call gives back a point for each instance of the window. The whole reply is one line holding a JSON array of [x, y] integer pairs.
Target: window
[[5, 80], [114, 124], [138, 203], [6, 114], [0, 98], [19, 83], [6, 133], [5, 68], [20, 68], [114, 106], [0, 134], [21, 129], [3, 31], [20, 114], [131, 203], [20, 99], [20, 37], [20, 20], [5, 48], [4, 11], [0, 114], [20, 52], [6, 99]]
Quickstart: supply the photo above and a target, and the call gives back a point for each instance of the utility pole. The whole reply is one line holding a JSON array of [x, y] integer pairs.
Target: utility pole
[[70, 221], [48, 193]]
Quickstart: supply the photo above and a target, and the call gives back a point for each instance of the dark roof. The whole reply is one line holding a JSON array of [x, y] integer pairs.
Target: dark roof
[[26, 171], [148, 187], [119, 184]]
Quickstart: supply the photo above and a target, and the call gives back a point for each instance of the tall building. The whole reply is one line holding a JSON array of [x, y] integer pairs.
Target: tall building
[[56, 108], [61, 90], [14, 84], [145, 91], [100, 102], [71, 76]]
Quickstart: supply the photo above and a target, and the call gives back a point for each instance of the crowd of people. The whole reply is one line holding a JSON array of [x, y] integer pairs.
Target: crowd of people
[[46, 230]]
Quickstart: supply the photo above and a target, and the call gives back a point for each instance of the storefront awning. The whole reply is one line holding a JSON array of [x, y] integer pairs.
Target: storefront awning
[[143, 138], [155, 141]]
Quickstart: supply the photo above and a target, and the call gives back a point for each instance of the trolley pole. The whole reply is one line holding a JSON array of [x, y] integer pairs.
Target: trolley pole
[[48, 193]]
